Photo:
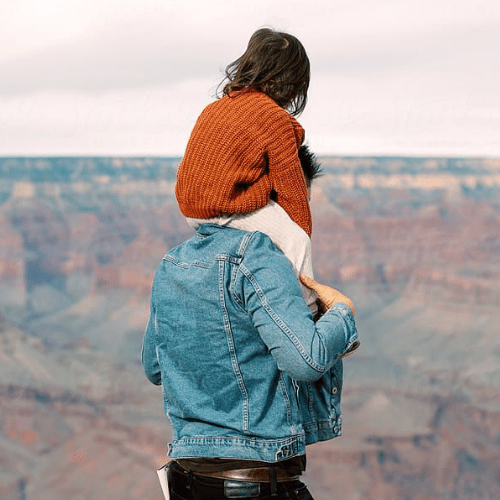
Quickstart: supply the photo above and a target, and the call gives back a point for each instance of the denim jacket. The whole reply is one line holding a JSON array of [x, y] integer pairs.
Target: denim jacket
[[245, 371]]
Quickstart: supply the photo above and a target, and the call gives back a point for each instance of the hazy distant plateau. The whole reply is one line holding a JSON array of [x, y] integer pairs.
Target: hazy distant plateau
[[415, 242]]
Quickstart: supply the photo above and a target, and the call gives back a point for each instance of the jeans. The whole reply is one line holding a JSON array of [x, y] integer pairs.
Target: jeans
[[184, 485]]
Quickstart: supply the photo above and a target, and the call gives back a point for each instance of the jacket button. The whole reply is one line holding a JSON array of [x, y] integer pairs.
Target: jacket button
[[334, 390]]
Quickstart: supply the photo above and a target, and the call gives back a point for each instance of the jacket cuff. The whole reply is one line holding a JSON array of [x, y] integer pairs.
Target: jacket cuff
[[344, 311]]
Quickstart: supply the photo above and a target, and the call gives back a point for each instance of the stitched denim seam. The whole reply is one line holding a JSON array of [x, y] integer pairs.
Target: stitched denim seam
[[232, 348], [186, 265], [287, 402], [280, 323]]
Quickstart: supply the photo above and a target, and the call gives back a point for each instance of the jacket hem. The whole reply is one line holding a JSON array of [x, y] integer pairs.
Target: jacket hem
[[265, 450]]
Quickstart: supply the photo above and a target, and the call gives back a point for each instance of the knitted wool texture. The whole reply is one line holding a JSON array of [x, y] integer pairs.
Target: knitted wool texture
[[243, 147]]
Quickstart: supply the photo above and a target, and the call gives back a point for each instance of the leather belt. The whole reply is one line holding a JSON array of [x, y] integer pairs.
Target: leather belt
[[256, 475]]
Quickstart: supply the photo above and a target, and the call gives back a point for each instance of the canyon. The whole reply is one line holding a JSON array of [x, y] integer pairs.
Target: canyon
[[415, 242]]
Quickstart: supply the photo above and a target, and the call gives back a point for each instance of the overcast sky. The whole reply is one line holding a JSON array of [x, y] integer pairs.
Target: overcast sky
[[130, 77]]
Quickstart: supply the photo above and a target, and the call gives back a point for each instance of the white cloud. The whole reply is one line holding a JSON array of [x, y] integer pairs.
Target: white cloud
[[130, 77], [152, 121]]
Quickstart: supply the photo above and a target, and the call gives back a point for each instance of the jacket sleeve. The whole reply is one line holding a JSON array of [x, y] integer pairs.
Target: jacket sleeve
[[271, 295], [149, 355]]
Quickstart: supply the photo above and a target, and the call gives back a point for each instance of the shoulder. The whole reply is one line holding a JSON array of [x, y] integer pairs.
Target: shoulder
[[264, 104], [275, 117], [259, 103], [251, 109], [247, 107], [261, 252], [264, 267]]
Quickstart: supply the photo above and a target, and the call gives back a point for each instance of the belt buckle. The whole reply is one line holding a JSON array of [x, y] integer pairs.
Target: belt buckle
[[241, 489]]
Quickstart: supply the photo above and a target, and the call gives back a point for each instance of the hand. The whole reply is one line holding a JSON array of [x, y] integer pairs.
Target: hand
[[327, 296]]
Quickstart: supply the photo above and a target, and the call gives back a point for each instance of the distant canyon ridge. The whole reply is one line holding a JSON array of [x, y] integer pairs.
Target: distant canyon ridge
[[415, 242]]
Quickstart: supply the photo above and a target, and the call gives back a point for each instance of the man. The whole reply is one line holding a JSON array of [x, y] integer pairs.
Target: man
[[249, 379]]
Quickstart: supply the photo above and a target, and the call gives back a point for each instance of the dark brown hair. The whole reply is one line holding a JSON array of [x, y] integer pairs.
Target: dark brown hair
[[310, 164], [275, 63]]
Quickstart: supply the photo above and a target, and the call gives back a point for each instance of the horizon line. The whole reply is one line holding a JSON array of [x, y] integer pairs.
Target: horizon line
[[319, 155]]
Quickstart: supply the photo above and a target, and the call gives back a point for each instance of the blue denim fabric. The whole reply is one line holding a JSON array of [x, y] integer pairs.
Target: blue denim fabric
[[245, 371]]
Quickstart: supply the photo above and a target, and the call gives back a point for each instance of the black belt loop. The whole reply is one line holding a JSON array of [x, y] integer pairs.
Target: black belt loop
[[190, 481], [273, 481]]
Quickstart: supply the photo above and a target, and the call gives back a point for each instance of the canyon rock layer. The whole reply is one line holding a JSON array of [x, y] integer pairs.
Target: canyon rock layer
[[415, 242]]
